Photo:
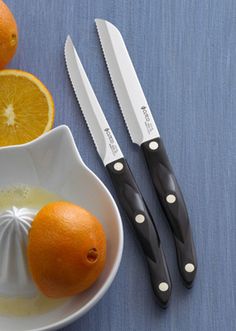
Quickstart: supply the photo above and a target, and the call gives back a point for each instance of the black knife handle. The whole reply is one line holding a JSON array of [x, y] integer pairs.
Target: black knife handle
[[174, 207], [139, 216]]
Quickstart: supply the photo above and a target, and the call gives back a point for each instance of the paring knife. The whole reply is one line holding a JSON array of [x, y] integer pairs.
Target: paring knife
[[127, 190], [143, 131]]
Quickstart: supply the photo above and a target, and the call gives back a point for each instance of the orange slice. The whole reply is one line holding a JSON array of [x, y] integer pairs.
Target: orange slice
[[26, 107]]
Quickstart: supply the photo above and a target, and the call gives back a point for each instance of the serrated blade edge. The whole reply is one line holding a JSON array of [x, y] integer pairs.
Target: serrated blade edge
[[102, 135], [132, 101]]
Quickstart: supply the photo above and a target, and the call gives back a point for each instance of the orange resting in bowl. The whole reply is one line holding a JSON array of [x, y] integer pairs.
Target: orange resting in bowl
[[66, 249]]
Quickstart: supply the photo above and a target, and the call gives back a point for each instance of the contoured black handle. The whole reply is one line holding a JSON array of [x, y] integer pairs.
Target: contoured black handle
[[174, 207], [139, 216]]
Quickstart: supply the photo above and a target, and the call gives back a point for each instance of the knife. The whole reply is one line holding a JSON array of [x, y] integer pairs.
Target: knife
[[143, 131], [126, 188]]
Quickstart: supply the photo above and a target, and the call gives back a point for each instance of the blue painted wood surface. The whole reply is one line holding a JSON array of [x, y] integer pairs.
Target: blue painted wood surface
[[185, 55]]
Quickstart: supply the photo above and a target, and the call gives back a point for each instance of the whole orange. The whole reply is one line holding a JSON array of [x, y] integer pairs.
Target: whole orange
[[66, 249], [8, 35]]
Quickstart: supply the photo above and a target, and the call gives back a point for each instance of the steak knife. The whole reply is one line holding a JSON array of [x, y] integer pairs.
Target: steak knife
[[127, 190], [143, 131]]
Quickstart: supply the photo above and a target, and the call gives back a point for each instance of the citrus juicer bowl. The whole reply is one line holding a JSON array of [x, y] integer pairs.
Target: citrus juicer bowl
[[53, 163]]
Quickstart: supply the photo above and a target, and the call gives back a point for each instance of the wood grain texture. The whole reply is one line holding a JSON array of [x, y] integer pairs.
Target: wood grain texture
[[184, 52]]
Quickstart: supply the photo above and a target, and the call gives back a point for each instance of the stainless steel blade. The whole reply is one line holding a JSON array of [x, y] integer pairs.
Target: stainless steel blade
[[102, 134], [127, 87]]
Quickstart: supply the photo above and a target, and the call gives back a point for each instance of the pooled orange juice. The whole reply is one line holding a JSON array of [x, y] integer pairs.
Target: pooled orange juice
[[25, 196], [39, 304]]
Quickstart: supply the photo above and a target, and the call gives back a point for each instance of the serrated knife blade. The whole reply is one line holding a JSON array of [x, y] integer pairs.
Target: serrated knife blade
[[143, 132], [102, 135], [140, 123]]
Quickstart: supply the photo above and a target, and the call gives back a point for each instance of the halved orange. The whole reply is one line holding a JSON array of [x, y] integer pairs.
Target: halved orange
[[26, 107]]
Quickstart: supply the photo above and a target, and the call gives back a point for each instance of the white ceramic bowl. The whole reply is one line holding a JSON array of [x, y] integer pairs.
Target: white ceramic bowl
[[53, 162]]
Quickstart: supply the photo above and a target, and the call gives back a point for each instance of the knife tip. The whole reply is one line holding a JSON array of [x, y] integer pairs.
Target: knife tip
[[68, 39], [99, 20], [68, 44], [104, 25]]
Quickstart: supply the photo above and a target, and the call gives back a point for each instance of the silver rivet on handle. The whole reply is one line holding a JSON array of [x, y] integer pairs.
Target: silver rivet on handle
[[153, 145], [118, 166], [139, 218], [171, 198], [189, 267], [163, 286]]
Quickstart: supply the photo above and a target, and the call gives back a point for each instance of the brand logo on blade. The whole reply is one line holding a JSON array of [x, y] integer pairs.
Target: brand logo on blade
[[112, 142], [147, 122]]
